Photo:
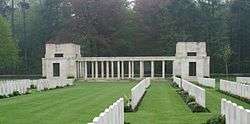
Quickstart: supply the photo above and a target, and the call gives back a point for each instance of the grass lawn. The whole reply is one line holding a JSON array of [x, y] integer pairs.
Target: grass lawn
[[74, 105], [81, 103], [162, 105]]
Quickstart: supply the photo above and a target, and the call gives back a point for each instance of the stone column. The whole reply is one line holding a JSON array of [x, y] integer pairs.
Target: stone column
[[122, 69], [92, 70], [129, 69], [102, 69], [163, 69], [118, 70], [82, 69], [96, 69], [152, 69], [133, 69], [107, 69], [77, 69], [141, 69], [112, 69], [85, 70]]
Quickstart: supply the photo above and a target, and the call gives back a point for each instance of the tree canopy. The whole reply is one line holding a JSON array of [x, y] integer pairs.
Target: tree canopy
[[125, 28], [8, 48]]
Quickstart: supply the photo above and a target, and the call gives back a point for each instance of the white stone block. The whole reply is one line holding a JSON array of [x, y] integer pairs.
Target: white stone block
[[96, 120], [209, 82], [1, 88], [195, 91], [243, 80], [101, 118], [248, 116], [223, 106], [228, 112], [239, 114], [106, 116], [234, 116]]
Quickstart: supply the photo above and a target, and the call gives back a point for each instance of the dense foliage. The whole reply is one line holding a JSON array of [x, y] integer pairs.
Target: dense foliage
[[190, 101], [122, 28], [218, 119], [8, 48]]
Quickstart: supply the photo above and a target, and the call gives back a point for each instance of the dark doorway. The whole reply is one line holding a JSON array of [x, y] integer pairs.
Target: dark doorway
[[192, 68], [56, 69]]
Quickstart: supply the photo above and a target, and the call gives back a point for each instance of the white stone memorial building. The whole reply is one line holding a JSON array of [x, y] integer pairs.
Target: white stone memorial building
[[64, 60]]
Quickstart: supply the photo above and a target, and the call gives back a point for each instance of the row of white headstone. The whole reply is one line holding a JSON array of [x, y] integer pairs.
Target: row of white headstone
[[208, 82], [43, 84], [245, 80], [138, 91], [234, 114], [235, 88], [7, 87], [177, 81], [114, 114], [193, 90]]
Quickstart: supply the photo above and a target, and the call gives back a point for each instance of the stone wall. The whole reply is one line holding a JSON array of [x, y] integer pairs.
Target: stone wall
[[71, 62], [67, 62], [182, 48], [182, 60], [67, 67], [69, 50]]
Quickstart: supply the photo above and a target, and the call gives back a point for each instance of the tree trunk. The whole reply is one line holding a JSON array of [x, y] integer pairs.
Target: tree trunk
[[226, 70], [12, 17]]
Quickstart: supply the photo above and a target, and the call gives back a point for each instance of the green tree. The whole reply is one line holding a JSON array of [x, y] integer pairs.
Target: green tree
[[240, 30], [225, 54], [8, 48]]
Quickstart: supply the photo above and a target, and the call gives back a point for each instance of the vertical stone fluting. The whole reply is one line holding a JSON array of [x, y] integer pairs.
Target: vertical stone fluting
[[96, 69], [112, 69], [141, 69], [92, 70], [102, 69], [81, 70], [107, 69], [152, 69], [85, 70], [118, 70], [133, 69], [122, 69], [129, 69], [163, 69]]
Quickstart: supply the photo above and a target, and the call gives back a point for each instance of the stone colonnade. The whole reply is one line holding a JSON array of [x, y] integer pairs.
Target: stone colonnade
[[115, 69]]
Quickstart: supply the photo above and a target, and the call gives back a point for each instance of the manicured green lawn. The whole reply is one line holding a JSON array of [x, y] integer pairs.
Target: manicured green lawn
[[162, 105], [75, 105], [81, 103]]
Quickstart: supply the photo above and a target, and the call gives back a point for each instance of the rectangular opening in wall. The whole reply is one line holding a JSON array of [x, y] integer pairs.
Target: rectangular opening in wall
[[56, 69], [58, 55], [191, 54], [192, 68]]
